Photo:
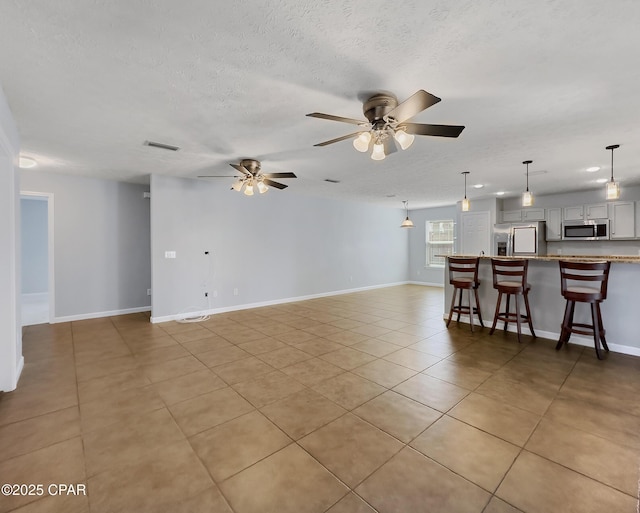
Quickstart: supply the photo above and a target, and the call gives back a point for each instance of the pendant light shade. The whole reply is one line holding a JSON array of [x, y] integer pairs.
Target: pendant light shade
[[527, 196], [466, 204], [613, 187], [407, 223]]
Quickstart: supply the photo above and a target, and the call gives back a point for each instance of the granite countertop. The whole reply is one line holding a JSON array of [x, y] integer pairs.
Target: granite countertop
[[623, 259]]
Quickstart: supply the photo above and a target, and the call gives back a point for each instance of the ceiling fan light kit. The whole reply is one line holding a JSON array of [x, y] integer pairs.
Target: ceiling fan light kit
[[387, 124], [613, 187], [527, 196]]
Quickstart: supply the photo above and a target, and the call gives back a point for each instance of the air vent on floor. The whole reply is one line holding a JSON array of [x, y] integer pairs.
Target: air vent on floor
[[162, 146], [331, 180]]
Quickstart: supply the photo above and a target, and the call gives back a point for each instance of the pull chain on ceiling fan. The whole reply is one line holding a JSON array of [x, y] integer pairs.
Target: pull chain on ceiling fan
[[387, 124]]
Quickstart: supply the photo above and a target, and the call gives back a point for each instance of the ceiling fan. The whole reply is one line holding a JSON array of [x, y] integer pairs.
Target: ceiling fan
[[251, 176], [387, 121]]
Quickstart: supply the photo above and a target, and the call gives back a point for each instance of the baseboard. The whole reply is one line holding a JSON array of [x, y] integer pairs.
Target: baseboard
[[97, 315], [551, 335], [247, 306], [426, 284], [36, 296]]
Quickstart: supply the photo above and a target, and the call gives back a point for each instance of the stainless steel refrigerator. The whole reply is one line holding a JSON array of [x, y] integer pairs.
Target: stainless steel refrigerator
[[519, 239]]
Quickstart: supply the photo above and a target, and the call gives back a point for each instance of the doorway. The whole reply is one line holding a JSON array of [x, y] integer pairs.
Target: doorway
[[36, 258]]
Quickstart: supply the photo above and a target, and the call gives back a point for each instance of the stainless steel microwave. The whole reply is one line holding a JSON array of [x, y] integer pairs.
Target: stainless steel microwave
[[595, 229]]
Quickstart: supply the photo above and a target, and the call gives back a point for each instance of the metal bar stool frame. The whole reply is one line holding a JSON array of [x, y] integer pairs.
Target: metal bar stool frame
[[510, 278], [577, 280], [463, 275]]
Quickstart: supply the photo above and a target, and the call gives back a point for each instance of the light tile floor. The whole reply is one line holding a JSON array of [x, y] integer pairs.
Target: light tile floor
[[354, 403]]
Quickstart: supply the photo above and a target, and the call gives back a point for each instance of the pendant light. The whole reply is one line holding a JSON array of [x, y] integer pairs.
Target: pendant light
[[466, 204], [527, 196], [613, 187], [407, 223]]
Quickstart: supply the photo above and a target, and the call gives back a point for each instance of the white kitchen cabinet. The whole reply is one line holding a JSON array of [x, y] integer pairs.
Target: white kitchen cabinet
[[573, 213], [623, 221], [598, 211], [533, 214], [554, 224], [512, 216]]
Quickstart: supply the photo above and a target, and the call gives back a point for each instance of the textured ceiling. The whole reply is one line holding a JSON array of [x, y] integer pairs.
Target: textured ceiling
[[552, 81]]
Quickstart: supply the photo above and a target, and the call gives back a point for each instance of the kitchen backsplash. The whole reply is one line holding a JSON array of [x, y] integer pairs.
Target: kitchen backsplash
[[603, 247]]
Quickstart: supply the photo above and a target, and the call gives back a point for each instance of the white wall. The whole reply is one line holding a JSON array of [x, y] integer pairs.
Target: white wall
[[34, 248], [11, 360], [271, 248], [101, 244], [418, 271]]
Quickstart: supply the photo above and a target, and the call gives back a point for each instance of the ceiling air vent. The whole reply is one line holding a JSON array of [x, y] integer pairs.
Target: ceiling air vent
[[162, 146], [331, 180]]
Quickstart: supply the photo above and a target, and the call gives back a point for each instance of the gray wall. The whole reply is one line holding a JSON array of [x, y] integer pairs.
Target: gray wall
[[11, 360], [418, 271], [270, 247], [34, 253], [101, 243]]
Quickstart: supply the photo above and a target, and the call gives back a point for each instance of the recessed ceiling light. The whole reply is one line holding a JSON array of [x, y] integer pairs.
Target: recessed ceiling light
[[602, 180], [478, 186], [593, 169], [27, 162], [500, 193]]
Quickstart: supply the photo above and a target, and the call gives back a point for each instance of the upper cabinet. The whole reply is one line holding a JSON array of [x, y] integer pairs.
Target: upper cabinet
[[554, 223], [533, 214], [573, 213], [622, 219], [512, 216], [585, 212], [524, 215], [599, 211]]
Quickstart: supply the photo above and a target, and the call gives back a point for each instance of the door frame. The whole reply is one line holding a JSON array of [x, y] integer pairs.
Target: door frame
[[48, 197]]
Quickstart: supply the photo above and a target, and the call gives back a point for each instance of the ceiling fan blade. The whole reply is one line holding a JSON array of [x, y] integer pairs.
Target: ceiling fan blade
[[218, 176], [277, 185], [338, 139], [279, 175], [390, 145], [413, 105], [338, 118], [437, 130], [240, 168]]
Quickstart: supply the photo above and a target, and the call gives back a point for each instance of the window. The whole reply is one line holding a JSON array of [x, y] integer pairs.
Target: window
[[439, 241]]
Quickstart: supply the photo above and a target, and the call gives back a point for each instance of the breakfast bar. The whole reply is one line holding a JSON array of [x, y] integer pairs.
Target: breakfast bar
[[620, 311]]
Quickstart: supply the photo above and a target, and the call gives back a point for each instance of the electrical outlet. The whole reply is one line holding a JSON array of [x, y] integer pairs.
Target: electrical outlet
[[235, 292], [170, 254], [148, 292]]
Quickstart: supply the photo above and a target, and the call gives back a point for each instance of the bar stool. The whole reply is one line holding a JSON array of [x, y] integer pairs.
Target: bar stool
[[463, 275], [584, 282], [510, 278]]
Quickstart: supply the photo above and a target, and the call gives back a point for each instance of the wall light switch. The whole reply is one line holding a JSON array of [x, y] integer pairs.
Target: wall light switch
[[170, 254]]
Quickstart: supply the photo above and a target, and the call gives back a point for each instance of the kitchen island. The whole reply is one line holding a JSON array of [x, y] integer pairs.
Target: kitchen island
[[620, 311]]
